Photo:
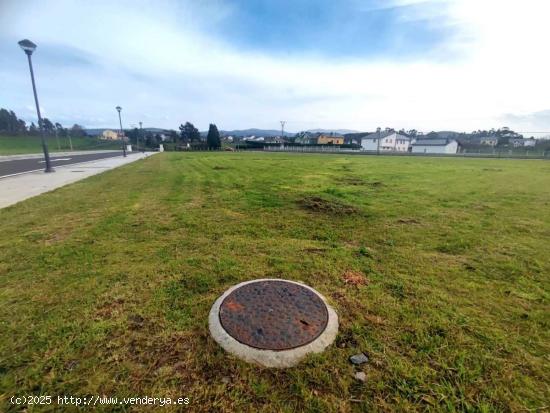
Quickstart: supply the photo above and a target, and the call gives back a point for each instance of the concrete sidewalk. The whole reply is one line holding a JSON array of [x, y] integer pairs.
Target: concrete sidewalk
[[18, 188]]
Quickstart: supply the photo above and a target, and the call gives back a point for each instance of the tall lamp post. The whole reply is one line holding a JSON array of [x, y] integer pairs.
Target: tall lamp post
[[118, 108], [29, 47], [139, 136]]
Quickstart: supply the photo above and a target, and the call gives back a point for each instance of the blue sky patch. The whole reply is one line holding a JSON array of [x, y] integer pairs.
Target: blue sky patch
[[339, 29]]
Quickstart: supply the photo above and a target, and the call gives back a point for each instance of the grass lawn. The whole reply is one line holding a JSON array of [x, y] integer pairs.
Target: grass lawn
[[106, 284], [13, 145]]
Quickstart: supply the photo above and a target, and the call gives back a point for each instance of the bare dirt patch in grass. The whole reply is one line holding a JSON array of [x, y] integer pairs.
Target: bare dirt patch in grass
[[353, 180], [346, 339], [315, 250], [376, 184], [355, 278], [408, 221], [110, 309], [326, 206], [58, 236], [374, 319]]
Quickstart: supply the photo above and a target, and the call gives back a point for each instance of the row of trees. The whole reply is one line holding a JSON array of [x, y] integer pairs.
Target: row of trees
[[11, 125], [189, 134]]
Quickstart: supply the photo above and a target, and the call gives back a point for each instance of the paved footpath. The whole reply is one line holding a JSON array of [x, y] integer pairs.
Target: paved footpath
[[19, 187]]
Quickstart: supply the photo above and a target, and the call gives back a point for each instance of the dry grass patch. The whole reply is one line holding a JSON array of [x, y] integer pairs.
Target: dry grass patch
[[326, 206], [354, 278]]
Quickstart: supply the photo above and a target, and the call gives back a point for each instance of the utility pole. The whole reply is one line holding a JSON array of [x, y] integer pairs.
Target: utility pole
[[378, 140], [139, 136], [282, 132], [121, 133]]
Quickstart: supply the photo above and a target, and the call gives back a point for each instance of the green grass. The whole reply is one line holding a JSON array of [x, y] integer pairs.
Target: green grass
[[106, 284], [13, 145]]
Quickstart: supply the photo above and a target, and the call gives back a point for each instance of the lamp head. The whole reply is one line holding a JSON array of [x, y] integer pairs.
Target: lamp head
[[27, 46]]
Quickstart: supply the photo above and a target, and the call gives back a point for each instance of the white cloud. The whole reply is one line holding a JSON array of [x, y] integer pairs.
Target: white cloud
[[159, 62]]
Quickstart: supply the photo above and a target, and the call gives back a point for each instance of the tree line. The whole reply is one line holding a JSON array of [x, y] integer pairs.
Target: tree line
[[11, 125], [189, 134]]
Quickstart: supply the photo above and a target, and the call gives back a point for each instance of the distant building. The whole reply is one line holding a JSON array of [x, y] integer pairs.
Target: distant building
[[306, 138], [520, 142], [109, 135], [517, 142], [488, 141], [386, 141], [330, 139], [435, 146]]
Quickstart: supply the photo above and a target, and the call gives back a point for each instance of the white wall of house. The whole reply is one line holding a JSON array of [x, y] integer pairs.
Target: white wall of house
[[489, 141], [368, 144], [451, 147], [394, 142]]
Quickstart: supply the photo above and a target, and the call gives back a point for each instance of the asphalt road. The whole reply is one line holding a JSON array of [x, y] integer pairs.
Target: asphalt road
[[18, 166]]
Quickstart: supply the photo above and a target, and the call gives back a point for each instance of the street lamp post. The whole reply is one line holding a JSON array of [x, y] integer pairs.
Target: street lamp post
[[118, 108], [29, 47], [139, 136]]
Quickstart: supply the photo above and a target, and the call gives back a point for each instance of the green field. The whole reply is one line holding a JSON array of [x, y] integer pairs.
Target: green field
[[106, 284], [13, 145]]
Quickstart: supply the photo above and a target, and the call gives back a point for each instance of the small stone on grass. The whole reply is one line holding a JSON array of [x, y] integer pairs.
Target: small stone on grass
[[361, 376], [359, 359]]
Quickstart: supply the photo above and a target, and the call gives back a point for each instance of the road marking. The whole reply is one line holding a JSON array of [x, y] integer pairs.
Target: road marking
[[77, 162], [20, 173], [55, 160]]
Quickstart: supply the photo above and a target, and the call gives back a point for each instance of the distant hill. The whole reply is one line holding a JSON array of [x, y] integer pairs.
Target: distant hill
[[338, 131], [99, 131], [277, 132], [254, 132], [237, 132]]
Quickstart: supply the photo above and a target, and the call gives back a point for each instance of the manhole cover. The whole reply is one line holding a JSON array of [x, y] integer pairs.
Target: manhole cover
[[273, 315]]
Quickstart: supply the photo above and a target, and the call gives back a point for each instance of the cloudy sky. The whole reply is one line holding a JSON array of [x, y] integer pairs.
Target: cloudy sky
[[355, 64]]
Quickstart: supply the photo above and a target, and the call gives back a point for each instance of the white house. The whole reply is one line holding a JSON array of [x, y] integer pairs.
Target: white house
[[488, 140], [519, 142], [435, 146], [388, 141], [109, 135]]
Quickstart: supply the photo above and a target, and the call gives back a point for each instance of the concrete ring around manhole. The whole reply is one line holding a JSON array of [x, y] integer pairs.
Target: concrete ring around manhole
[[272, 322]]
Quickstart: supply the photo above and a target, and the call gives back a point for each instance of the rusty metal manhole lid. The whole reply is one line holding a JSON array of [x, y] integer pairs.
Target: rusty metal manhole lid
[[273, 315]]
